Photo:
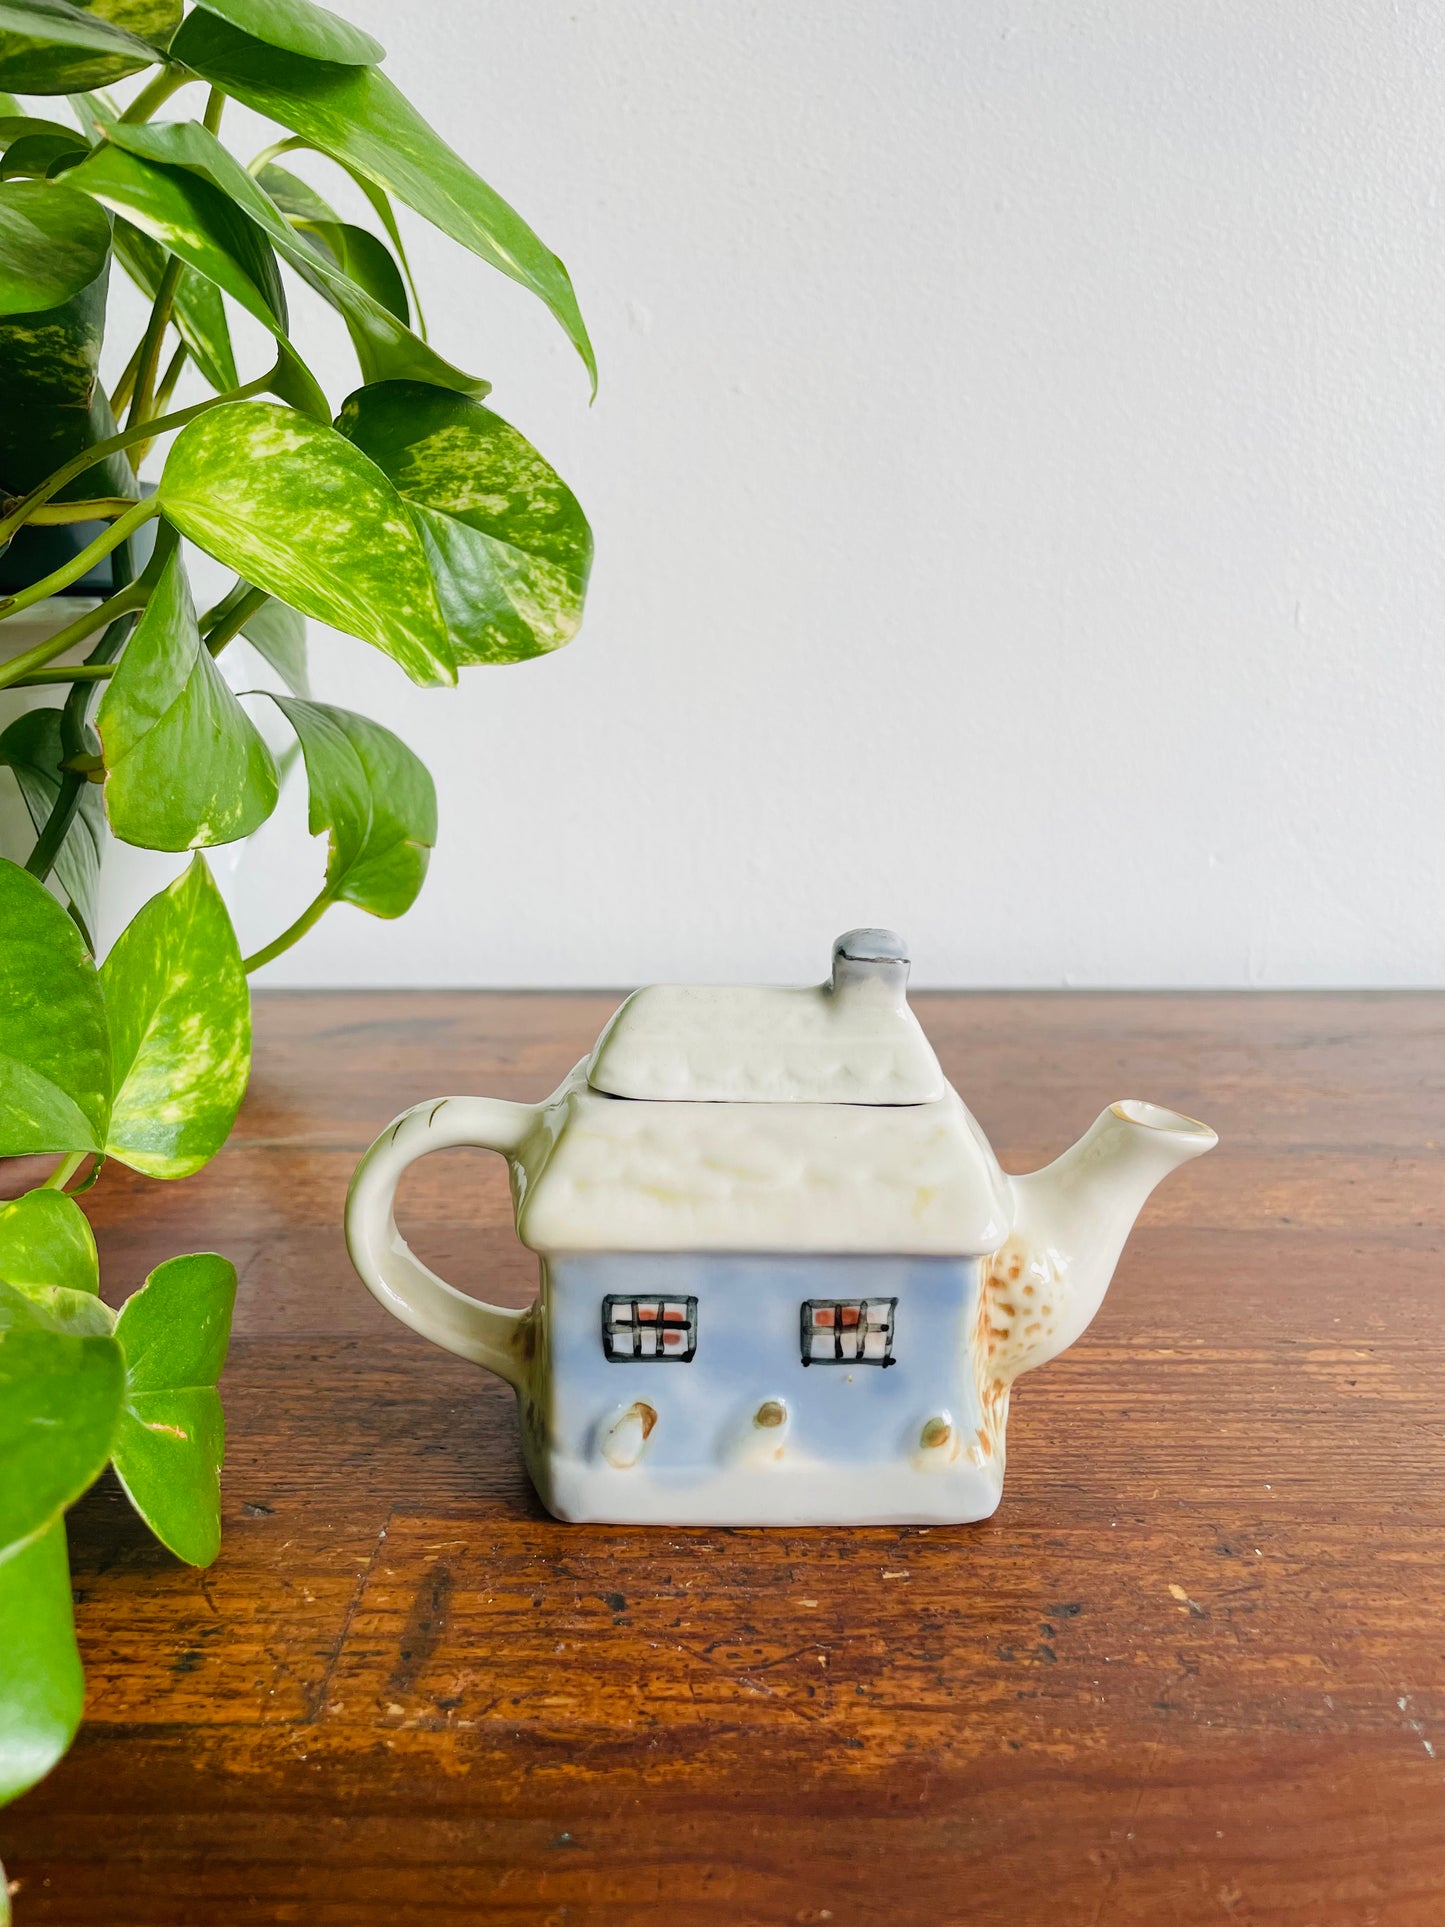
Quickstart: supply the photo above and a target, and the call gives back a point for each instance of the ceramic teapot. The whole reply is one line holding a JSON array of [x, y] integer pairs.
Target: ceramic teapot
[[783, 1279]]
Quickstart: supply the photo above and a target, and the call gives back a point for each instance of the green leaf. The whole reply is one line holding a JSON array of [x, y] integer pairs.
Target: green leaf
[[294, 383], [185, 767], [510, 546], [46, 1239], [374, 797], [49, 1278], [55, 1078], [381, 206], [36, 153], [52, 1308], [296, 198], [174, 1331], [293, 507], [355, 114], [15, 126], [55, 405], [198, 310], [154, 21], [279, 635], [301, 28], [37, 437], [50, 47], [31, 747], [170, 1442], [42, 1690], [301, 195], [191, 218], [364, 260], [59, 1402], [353, 272], [358, 253], [49, 360], [53, 243], [180, 1018], [385, 346], [168, 1452]]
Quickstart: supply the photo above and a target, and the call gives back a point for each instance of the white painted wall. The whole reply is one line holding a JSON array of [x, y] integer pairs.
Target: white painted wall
[[1019, 484]]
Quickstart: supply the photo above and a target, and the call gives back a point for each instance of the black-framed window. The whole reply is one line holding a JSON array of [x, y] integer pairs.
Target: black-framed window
[[638, 1330], [848, 1331]]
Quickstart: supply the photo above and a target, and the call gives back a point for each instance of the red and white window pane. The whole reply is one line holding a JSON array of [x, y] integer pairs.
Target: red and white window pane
[[848, 1331], [660, 1329]]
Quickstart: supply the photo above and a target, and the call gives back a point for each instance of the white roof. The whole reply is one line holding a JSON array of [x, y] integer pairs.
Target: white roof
[[607, 1174], [852, 1040]]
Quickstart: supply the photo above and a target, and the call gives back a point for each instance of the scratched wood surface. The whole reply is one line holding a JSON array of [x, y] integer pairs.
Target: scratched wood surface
[[1192, 1672]]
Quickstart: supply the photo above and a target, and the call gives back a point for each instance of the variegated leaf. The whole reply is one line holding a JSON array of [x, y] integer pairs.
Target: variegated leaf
[[55, 1057], [296, 509], [356, 114], [509, 545], [185, 767], [170, 1439], [180, 1021]]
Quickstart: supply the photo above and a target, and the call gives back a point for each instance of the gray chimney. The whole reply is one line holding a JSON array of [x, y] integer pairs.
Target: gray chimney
[[871, 959]]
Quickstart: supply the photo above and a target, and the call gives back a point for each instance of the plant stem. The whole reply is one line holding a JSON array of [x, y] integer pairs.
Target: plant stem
[[208, 620], [235, 619], [273, 153], [133, 596], [215, 104], [113, 444], [74, 672], [102, 508], [293, 933], [163, 394], [41, 860], [122, 570], [169, 379], [125, 387], [154, 340], [72, 571], [91, 1175], [72, 744], [64, 1171], [155, 94]]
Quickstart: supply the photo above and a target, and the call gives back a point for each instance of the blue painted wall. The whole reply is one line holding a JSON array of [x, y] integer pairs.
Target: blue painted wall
[[748, 1350]]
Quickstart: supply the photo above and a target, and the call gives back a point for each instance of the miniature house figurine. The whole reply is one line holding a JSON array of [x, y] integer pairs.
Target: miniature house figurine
[[783, 1278]]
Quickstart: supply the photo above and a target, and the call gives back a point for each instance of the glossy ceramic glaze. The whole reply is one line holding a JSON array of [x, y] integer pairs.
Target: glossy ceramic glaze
[[783, 1278]]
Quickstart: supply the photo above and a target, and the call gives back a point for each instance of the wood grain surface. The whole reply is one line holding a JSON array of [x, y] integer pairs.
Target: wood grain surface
[[1193, 1671]]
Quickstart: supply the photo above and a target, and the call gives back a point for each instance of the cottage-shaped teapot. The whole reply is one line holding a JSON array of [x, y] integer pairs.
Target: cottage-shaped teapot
[[783, 1279]]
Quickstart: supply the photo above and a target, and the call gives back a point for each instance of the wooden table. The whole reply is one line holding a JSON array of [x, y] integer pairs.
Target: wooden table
[[1192, 1672]]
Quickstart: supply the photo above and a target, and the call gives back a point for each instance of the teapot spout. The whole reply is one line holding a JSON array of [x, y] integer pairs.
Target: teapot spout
[[1043, 1287]]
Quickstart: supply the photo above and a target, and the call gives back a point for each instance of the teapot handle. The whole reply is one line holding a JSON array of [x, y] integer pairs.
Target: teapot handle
[[489, 1335]]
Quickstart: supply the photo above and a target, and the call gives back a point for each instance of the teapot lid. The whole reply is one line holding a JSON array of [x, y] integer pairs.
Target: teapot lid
[[852, 1040]]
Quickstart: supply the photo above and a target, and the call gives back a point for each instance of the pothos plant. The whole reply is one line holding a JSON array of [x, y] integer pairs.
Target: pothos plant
[[415, 519]]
